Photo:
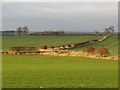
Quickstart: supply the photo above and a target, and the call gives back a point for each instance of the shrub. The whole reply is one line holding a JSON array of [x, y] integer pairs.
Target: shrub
[[95, 40], [18, 49], [44, 47], [90, 49], [63, 45], [52, 47], [69, 45], [30, 49], [77, 44], [103, 51], [83, 43]]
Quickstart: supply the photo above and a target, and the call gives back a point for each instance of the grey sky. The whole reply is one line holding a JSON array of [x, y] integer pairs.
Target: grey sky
[[68, 16]]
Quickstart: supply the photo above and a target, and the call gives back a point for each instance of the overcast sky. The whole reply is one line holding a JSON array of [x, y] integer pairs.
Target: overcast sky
[[69, 16]]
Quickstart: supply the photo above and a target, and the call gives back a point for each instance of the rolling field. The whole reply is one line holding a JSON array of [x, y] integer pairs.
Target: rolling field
[[58, 72], [8, 41], [38, 41], [37, 71], [111, 43]]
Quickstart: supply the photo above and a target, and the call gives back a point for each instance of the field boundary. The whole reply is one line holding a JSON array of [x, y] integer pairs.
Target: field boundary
[[62, 50]]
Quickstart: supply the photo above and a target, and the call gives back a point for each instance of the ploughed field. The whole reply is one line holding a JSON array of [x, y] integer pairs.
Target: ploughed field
[[37, 71]]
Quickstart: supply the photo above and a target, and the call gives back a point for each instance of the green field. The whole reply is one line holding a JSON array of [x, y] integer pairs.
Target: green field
[[111, 43], [38, 41], [58, 72]]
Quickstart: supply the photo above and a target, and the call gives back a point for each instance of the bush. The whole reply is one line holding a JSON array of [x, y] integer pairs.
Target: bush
[[63, 45], [90, 49], [77, 44], [69, 45], [52, 47], [95, 40], [30, 49], [18, 49], [103, 51], [44, 47]]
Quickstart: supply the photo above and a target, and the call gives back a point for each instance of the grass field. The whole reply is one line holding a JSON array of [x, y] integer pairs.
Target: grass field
[[39, 41], [8, 41], [111, 43], [58, 72]]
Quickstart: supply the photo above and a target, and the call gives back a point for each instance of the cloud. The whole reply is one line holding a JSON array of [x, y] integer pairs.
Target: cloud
[[69, 16]]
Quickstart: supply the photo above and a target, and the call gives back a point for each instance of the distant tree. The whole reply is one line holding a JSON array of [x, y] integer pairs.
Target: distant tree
[[109, 30], [106, 31], [25, 30], [22, 30], [19, 31]]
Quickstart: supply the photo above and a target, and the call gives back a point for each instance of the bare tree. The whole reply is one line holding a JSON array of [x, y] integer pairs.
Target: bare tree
[[22, 30], [19, 31], [25, 30], [109, 30]]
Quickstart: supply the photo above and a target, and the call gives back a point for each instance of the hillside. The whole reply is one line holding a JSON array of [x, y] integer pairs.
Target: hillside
[[111, 43], [36, 71], [38, 41]]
